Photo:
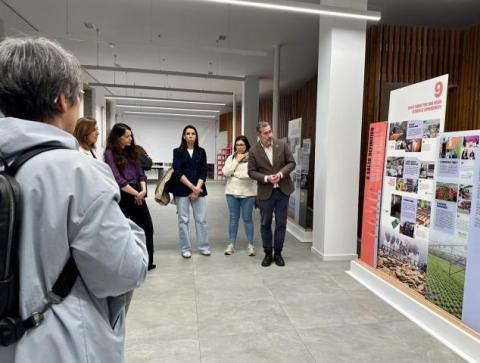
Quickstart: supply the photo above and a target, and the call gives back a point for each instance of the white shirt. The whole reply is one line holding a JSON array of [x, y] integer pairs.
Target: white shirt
[[190, 151], [269, 152]]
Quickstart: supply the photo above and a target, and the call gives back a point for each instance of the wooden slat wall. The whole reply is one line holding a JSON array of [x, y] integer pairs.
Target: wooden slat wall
[[302, 103], [398, 54], [226, 122]]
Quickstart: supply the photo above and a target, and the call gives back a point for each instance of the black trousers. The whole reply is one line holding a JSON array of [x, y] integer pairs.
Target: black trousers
[[278, 204], [141, 216]]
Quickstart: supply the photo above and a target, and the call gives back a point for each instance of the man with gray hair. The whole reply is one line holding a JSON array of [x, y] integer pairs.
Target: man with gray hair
[[270, 163], [69, 209]]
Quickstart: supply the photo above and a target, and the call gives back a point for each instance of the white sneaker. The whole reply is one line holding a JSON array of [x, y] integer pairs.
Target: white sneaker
[[251, 250], [230, 249], [206, 252], [186, 254]]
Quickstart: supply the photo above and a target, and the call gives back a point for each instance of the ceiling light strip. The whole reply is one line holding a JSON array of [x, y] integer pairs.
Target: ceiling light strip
[[166, 100], [165, 108], [305, 8], [167, 114]]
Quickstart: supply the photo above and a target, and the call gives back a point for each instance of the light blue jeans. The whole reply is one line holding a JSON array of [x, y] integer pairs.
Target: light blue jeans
[[235, 205], [199, 215]]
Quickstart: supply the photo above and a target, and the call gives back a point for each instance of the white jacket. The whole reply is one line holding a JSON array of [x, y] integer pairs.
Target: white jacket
[[98, 154], [238, 181], [70, 206]]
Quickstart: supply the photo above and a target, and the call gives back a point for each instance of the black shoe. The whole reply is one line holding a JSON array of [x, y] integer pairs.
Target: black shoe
[[279, 260], [152, 267], [267, 260]]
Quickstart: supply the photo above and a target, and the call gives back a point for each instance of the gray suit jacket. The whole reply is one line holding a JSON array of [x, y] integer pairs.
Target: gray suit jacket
[[259, 166]]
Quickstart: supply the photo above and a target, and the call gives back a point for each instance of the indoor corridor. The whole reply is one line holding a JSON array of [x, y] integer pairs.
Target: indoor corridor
[[230, 309]]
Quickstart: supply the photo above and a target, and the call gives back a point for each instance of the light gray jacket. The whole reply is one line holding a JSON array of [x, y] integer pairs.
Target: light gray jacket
[[70, 205]]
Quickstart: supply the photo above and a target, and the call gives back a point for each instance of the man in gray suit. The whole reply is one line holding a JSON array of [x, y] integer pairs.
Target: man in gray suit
[[270, 163]]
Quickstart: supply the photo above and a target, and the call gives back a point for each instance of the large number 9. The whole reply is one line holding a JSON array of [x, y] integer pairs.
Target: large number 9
[[438, 89]]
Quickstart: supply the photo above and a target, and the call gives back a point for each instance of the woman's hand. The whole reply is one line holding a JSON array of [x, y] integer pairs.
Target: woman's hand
[[241, 157], [193, 196], [197, 190], [140, 197]]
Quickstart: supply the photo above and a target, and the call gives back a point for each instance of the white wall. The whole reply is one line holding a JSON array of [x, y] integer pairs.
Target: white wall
[[99, 113], [339, 120], [159, 137]]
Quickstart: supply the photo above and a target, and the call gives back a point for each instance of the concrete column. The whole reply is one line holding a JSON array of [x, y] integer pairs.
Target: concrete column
[[234, 119], [276, 88], [341, 66], [250, 98]]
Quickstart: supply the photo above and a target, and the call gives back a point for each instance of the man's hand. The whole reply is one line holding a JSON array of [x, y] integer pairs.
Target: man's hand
[[274, 178]]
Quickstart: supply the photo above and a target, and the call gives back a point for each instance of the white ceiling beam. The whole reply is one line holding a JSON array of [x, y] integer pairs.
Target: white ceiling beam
[[153, 88], [158, 71]]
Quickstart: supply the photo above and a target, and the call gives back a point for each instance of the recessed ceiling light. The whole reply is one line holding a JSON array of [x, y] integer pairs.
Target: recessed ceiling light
[[166, 108], [167, 114]]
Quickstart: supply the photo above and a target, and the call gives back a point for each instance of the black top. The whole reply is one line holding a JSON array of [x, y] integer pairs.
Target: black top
[[194, 168]]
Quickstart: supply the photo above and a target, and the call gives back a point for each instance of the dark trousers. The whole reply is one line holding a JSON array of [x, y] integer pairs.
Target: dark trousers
[[278, 204], [141, 216]]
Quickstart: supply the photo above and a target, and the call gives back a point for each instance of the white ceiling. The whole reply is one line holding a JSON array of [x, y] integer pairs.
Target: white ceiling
[[181, 35]]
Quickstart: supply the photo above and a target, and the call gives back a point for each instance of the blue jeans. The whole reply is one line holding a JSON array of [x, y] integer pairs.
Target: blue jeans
[[199, 215], [235, 205]]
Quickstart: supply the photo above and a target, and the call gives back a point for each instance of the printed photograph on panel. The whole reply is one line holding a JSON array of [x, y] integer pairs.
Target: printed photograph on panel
[[451, 147], [424, 212], [403, 258], [446, 191], [470, 146], [413, 145], [446, 275], [395, 166], [396, 206], [431, 128], [427, 170], [464, 201]]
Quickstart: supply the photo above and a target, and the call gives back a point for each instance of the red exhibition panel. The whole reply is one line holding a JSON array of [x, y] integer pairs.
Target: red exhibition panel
[[373, 191]]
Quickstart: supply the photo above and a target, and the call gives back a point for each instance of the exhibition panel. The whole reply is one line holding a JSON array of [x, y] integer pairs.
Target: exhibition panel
[[417, 114]]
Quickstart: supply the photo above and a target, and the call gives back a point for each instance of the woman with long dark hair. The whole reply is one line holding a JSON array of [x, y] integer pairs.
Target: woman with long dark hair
[[122, 157], [190, 172], [241, 192]]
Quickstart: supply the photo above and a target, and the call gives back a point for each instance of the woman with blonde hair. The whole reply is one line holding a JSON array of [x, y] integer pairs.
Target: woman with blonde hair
[[86, 132]]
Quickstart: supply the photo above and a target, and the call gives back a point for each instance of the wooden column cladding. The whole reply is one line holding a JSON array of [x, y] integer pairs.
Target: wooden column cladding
[[399, 55]]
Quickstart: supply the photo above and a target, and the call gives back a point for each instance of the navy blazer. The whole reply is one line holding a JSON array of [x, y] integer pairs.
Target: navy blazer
[[193, 168]]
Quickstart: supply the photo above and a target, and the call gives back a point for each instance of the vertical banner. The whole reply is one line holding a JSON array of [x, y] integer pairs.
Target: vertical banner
[[377, 136], [294, 141], [416, 116], [447, 248], [471, 297]]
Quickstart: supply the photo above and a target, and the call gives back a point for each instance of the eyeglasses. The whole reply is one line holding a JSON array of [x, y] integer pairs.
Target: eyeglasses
[[79, 95], [237, 145]]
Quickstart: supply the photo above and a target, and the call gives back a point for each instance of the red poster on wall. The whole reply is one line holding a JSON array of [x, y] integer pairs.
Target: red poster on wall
[[373, 191]]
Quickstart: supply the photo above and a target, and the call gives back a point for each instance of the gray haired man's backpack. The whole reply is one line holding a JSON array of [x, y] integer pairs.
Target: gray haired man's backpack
[[12, 327]]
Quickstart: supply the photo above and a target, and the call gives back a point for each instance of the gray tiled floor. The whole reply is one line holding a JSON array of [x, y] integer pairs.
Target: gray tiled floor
[[230, 309]]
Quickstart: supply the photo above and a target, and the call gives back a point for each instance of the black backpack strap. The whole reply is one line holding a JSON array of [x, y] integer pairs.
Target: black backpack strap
[[12, 329]]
